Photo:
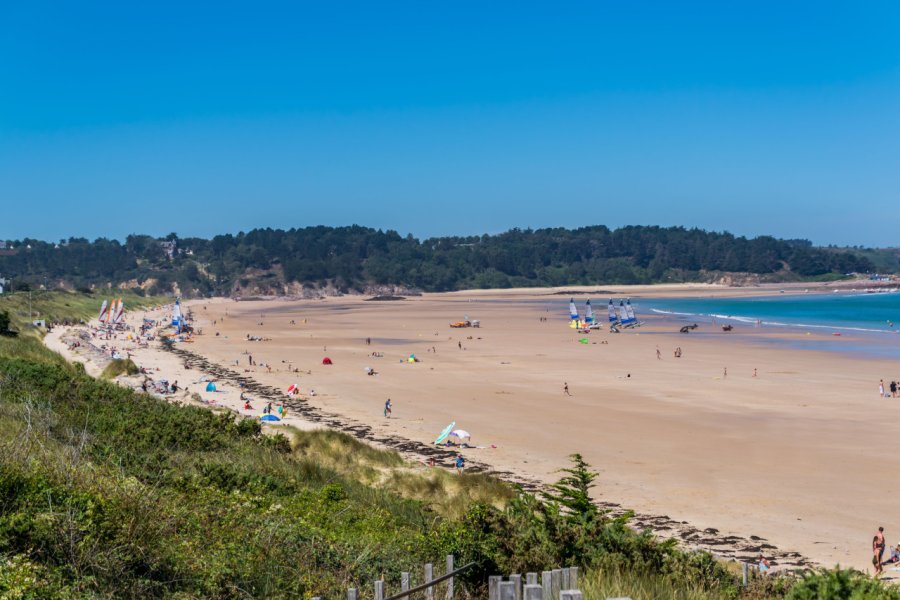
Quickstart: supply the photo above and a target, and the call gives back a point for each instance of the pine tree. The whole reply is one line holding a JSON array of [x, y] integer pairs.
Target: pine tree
[[572, 491]]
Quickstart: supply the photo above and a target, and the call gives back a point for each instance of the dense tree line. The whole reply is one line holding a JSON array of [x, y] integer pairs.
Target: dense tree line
[[355, 257]]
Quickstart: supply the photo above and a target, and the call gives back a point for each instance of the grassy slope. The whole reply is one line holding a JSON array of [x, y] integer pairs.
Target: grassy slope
[[60, 305]]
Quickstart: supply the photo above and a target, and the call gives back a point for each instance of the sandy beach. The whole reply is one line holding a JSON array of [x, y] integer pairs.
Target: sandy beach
[[798, 457]]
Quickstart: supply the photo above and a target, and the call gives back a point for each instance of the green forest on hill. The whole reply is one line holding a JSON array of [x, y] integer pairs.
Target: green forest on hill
[[353, 258]]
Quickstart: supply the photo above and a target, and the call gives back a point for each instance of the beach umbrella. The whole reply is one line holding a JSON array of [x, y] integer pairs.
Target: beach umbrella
[[210, 387], [460, 433], [269, 418], [445, 433], [292, 389]]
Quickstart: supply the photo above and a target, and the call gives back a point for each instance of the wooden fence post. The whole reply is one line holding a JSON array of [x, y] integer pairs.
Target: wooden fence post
[[547, 584], [570, 595], [379, 590], [450, 581], [531, 579], [564, 582], [494, 587], [573, 578], [745, 568], [517, 581], [429, 575], [555, 583], [404, 583], [534, 591], [507, 590]]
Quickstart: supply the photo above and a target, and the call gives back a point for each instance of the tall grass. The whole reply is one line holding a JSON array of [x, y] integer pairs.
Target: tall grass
[[59, 305], [638, 585], [120, 366], [447, 493]]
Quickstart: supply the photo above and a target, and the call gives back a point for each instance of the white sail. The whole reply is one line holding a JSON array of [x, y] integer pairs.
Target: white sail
[[612, 312], [629, 311], [120, 310], [103, 308], [624, 313], [573, 312], [176, 314]]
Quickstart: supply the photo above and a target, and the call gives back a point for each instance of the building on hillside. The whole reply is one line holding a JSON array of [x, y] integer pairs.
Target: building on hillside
[[2, 245], [169, 247]]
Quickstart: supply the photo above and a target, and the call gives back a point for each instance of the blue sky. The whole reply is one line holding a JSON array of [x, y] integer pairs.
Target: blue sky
[[775, 118]]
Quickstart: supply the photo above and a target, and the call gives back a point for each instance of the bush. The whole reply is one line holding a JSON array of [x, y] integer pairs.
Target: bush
[[841, 584], [120, 367]]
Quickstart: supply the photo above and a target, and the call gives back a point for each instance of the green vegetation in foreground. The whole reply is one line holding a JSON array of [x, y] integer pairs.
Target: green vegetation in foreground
[[57, 306], [105, 493], [352, 258]]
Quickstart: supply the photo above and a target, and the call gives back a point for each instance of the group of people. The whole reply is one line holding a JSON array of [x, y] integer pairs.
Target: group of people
[[878, 547], [892, 390]]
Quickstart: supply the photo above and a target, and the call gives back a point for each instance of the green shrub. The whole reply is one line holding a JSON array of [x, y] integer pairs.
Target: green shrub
[[118, 367], [841, 584]]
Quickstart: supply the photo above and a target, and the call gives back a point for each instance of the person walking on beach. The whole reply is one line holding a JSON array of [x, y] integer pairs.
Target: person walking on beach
[[881, 388], [658, 354], [460, 464], [387, 409], [878, 545], [893, 389], [724, 372], [566, 388], [459, 344]]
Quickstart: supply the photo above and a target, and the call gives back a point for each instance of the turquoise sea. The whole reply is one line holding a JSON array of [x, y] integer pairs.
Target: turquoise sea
[[868, 324], [851, 312]]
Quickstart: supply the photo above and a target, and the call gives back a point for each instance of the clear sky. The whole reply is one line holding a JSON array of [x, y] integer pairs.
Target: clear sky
[[438, 118]]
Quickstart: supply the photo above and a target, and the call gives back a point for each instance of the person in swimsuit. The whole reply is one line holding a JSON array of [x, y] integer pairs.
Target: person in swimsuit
[[878, 545]]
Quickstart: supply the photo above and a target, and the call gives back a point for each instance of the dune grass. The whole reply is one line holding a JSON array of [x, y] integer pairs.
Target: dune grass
[[60, 305], [443, 491], [120, 366]]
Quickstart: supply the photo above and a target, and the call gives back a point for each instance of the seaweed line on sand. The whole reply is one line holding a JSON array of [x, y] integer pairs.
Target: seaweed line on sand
[[727, 547]]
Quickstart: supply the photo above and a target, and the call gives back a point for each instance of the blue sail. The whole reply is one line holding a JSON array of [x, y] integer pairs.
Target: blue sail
[[612, 312], [624, 312], [588, 313], [629, 311]]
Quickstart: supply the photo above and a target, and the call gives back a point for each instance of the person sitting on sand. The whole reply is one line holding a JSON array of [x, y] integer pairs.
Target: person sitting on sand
[[247, 405], [763, 564], [895, 555]]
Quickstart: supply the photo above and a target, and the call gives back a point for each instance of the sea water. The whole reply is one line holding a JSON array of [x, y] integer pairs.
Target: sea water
[[851, 312], [868, 323]]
